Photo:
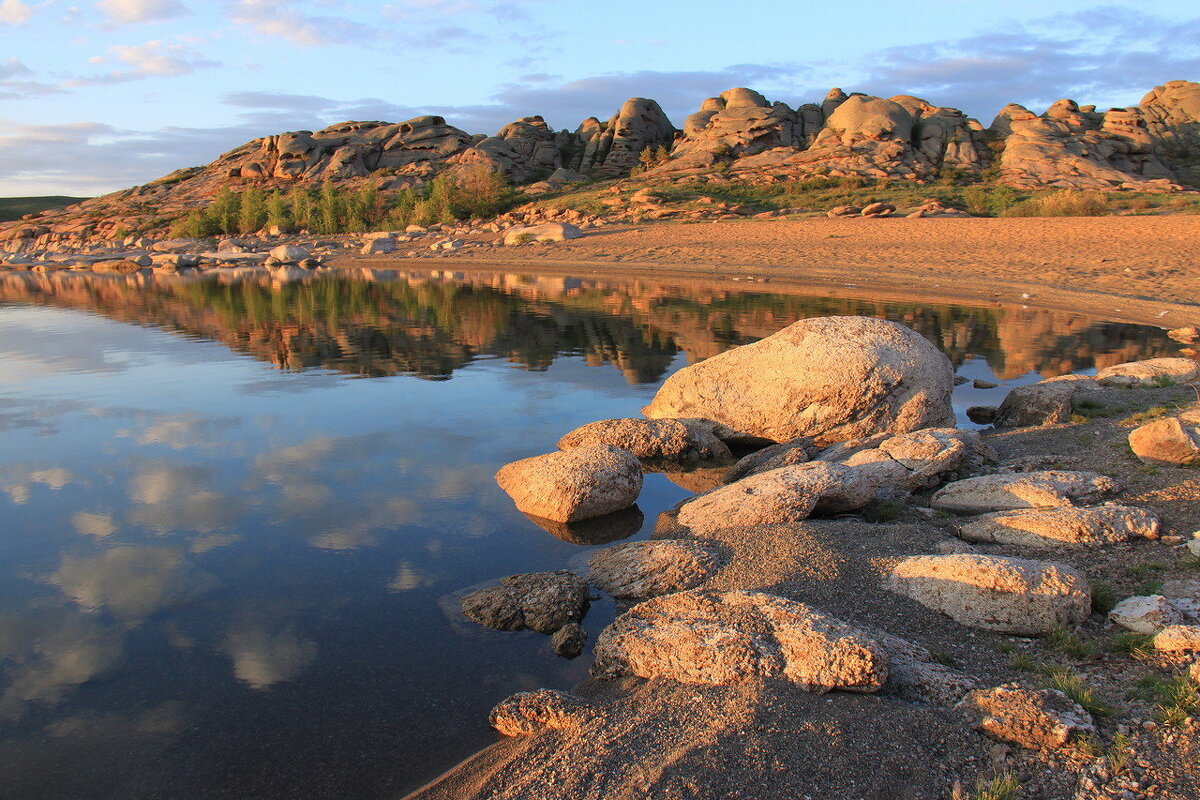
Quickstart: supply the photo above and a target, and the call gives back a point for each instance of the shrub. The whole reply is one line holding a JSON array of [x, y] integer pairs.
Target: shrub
[[990, 200], [1063, 203]]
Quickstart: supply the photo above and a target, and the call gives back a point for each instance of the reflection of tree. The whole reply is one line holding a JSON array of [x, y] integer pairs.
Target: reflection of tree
[[431, 327]]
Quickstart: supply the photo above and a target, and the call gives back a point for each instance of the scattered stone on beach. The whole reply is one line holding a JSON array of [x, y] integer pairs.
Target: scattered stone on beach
[[785, 495], [996, 593], [914, 675], [1178, 639], [784, 454], [1165, 442], [829, 378], [575, 484], [1184, 594], [1151, 372], [546, 232], [378, 244], [676, 440], [1046, 489], [708, 638], [529, 713], [540, 601], [1043, 719], [640, 570], [879, 209], [1146, 614], [1045, 403], [1065, 526], [289, 253], [568, 641]]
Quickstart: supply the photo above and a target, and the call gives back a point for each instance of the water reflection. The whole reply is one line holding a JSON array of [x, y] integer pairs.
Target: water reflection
[[219, 578], [380, 322]]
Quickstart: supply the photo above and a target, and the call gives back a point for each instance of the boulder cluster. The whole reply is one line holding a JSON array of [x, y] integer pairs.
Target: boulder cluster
[[889, 436]]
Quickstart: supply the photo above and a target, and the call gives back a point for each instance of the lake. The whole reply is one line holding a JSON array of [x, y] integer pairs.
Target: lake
[[239, 510]]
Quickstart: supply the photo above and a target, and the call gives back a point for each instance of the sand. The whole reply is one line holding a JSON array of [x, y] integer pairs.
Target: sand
[[1135, 269]]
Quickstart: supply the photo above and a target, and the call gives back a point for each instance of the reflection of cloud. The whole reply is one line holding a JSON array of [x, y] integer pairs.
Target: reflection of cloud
[[263, 656], [408, 577], [18, 478], [171, 497], [180, 431], [18, 494], [93, 524], [56, 477], [52, 653], [131, 582], [211, 541]]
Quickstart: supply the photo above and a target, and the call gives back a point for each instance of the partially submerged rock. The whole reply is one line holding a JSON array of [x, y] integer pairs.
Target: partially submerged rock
[[596, 530], [568, 641], [676, 440], [575, 484], [1146, 613], [529, 713], [640, 570], [1048, 489], [1066, 526], [706, 638], [996, 593], [829, 378], [1044, 719], [1166, 442], [540, 601], [1151, 372]]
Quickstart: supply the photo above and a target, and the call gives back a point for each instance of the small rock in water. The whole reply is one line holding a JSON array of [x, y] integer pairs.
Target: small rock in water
[[541, 601], [568, 641]]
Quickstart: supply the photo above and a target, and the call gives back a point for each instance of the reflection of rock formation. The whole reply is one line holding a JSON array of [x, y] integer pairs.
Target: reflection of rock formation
[[265, 654], [430, 325], [131, 583], [47, 654]]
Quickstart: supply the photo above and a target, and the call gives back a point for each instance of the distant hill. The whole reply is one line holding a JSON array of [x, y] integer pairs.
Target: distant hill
[[12, 208]]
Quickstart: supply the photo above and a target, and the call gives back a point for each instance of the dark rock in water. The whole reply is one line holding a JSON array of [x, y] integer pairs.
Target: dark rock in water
[[982, 384], [568, 641], [982, 415], [541, 601], [598, 530]]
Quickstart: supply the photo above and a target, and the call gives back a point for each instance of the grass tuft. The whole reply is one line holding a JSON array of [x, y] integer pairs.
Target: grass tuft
[[1072, 684]]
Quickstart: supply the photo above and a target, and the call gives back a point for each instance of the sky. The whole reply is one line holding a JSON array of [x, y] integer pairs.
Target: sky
[[99, 96]]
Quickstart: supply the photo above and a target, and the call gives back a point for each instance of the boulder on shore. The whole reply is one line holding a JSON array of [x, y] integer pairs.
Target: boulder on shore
[[1166, 442], [679, 440], [996, 593], [639, 570], [1151, 372], [828, 378], [546, 232], [707, 638], [1066, 526], [1045, 719], [1047, 489], [528, 713], [575, 484]]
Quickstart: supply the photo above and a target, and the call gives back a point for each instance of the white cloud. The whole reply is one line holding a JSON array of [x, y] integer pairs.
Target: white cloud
[[127, 12], [149, 60], [14, 12], [277, 18], [13, 67]]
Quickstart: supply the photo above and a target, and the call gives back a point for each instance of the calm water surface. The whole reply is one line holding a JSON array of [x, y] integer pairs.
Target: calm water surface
[[237, 511]]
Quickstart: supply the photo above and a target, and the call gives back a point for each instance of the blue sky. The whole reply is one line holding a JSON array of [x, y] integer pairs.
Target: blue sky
[[97, 96]]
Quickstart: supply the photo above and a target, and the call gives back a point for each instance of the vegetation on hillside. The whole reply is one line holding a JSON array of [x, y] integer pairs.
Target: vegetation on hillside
[[13, 208], [466, 193]]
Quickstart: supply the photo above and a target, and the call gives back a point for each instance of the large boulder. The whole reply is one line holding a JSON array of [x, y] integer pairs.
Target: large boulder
[[1045, 719], [575, 484], [1065, 526], [828, 378], [681, 440], [706, 638], [1048, 489], [1151, 372], [639, 570], [1167, 442], [996, 593], [546, 232], [540, 601]]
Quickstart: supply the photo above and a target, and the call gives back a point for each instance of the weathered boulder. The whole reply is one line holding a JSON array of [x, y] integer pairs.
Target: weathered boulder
[[919, 459], [1045, 403], [1178, 639], [289, 253], [1166, 441], [1044, 719], [575, 484], [1151, 372], [546, 232], [613, 148], [378, 244], [528, 713], [781, 496], [677, 440], [640, 570], [1065, 526], [1046, 489], [706, 638], [828, 378], [1146, 613], [784, 454], [996, 593], [540, 601]]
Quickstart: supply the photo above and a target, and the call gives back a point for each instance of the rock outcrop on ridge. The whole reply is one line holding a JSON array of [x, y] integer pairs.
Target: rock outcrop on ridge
[[1153, 146]]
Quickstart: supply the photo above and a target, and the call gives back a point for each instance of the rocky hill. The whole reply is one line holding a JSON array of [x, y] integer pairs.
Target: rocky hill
[[1154, 146]]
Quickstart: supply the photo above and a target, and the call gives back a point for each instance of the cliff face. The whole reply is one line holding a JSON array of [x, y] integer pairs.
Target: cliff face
[[1154, 146]]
